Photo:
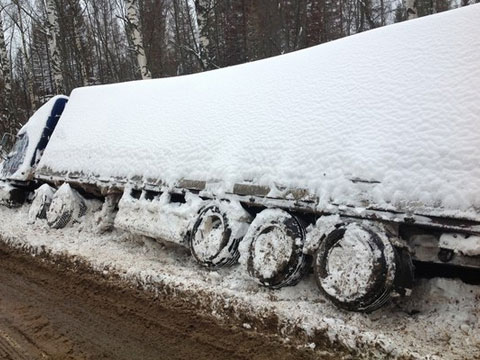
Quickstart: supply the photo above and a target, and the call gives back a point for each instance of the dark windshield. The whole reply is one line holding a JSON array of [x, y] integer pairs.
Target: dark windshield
[[16, 156]]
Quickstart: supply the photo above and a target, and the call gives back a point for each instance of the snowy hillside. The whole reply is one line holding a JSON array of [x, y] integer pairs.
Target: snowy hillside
[[398, 105]]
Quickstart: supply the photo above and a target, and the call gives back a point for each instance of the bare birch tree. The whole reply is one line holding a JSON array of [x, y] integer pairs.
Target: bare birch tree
[[4, 61], [52, 33], [6, 77], [202, 10], [135, 36], [28, 65]]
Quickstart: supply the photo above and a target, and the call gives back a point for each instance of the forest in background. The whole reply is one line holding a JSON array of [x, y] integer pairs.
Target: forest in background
[[50, 47]]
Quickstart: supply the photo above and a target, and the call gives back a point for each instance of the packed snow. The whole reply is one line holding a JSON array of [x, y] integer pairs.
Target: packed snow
[[162, 219], [388, 118], [272, 248], [66, 206], [440, 320], [42, 198], [463, 244], [157, 218]]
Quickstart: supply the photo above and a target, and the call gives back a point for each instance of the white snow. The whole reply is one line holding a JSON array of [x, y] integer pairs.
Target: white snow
[[466, 245], [398, 105], [158, 218], [5, 189], [319, 231], [209, 237], [350, 265], [272, 249], [162, 219], [42, 199], [66, 200], [440, 320]]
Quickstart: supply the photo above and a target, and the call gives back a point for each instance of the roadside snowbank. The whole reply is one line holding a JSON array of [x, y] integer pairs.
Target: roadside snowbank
[[440, 320], [394, 109]]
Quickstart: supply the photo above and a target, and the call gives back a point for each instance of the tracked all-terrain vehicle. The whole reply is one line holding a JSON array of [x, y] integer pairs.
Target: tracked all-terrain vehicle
[[356, 159]]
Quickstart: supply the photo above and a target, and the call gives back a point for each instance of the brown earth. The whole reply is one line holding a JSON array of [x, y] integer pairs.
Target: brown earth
[[51, 312]]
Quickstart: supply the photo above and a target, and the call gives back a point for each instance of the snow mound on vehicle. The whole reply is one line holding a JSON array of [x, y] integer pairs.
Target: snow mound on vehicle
[[388, 118]]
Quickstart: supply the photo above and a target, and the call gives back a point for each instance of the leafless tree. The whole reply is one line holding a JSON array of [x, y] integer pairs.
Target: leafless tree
[[6, 79], [132, 17]]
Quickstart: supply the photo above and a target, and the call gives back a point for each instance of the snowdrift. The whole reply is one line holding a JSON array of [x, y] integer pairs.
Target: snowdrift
[[389, 119]]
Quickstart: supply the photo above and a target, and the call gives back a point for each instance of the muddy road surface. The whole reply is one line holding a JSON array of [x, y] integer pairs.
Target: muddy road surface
[[50, 312]]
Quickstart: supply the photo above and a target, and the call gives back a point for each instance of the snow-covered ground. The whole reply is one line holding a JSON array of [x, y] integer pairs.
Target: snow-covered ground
[[440, 320]]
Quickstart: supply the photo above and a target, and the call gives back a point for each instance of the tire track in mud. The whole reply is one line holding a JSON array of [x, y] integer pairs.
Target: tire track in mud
[[9, 348], [15, 345], [49, 312]]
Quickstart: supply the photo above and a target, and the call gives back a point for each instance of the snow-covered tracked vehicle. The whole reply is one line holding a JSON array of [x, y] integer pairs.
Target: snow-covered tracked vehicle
[[352, 158]]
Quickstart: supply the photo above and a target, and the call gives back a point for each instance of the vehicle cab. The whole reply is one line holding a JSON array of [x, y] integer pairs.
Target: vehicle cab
[[18, 165]]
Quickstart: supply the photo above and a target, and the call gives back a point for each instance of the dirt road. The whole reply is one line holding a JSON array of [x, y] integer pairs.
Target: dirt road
[[53, 313]]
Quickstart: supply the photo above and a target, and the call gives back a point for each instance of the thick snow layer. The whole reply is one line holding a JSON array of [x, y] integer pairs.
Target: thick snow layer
[[158, 218], [441, 320], [397, 107]]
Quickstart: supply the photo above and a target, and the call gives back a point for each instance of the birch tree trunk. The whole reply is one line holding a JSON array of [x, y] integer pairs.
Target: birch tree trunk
[[136, 39], [32, 98], [53, 30], [202, 9], [5, 63], [412, 12], [6, 114], [83, 55]]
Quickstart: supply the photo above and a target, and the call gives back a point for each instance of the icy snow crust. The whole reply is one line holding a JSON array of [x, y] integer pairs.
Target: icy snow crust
[[441, 320], [397, 105]]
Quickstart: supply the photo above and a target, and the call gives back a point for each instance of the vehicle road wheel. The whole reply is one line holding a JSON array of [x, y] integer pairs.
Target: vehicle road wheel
[[41, 203], [355, 267], [216, 235], [67, 206], [276, 257]]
